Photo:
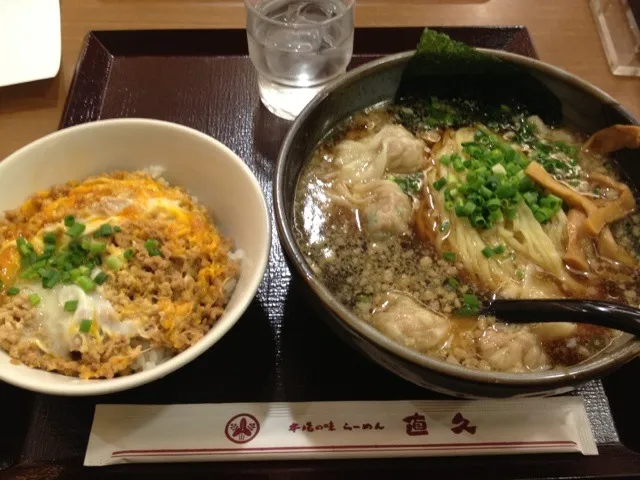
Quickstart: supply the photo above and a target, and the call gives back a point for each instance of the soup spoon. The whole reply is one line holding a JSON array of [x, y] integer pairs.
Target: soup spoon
[[593, 312]]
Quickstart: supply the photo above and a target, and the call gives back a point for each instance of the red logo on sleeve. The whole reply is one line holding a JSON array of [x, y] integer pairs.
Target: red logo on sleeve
[[242, 428]]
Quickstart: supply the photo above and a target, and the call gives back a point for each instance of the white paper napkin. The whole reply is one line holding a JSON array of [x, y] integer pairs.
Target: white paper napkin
[[30, 40]]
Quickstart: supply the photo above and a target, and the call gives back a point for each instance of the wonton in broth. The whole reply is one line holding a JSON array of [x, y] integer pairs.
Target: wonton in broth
[[413, 214]]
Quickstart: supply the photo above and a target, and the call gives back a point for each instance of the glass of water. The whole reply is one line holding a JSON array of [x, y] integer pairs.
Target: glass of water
[[298, 46]]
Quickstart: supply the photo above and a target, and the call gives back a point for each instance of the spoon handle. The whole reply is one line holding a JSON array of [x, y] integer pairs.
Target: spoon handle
[[605, 314]]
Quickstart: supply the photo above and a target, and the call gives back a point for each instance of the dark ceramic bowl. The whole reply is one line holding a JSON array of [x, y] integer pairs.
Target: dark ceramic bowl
[[584, 105]]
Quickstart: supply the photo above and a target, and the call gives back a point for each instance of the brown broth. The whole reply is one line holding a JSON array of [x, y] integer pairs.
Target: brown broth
[[360, 270]]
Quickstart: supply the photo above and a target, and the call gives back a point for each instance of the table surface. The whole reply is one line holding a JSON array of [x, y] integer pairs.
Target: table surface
[[564, 33]]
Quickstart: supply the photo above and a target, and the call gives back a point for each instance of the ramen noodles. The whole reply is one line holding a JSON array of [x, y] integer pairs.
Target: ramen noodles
[[416, 213]]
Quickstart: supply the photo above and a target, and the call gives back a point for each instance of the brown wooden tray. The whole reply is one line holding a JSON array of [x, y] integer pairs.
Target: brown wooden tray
[[279, 350]]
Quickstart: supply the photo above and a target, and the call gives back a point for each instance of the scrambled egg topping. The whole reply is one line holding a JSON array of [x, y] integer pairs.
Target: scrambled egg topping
[[96, 274]]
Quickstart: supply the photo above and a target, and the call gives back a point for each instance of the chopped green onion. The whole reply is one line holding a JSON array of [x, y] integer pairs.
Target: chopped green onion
[[471, 300], [98, 247], [114, 263], [152, 247], [75, 273], [520, 274], [128, 254], [105, 230], [86, 244], [499, 249], [85, 326], [71, 306], [479, 222], [24, 247], [85, 283], [13, 291], [444, 227], [493, 204], [551, 201], [437, 184], [487, 252], [445, 159], [496, 156], [117, 229], [100, 278], [458, 165], [452, 282], [530, 198], [468, 208], [29, 274], [499, 169], [28, 259], [69, 221], [466, 311], [505, 190], [34, 298], [495, 216], [543, 214], [50, 278], [76, 230], [49, 238], [485, 192], [449, 256]]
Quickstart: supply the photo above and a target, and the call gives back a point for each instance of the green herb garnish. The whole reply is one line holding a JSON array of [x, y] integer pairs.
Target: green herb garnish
[[152, 247], [470, 305], [452, 282], [105, 230], [491, 184], [449, 256], [85, 326], [98, 247], [100, 278], [49, 238], [85, 283], [409, 184], [440, 183], [487, 252], [70, 306], [76, 230], [114, 263]]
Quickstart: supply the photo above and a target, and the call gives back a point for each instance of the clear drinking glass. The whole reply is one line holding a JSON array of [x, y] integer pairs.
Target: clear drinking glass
[[618, 22], [298, 46]]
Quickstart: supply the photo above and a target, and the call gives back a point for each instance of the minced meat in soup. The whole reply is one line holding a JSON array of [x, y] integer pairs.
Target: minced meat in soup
[[414, 214]]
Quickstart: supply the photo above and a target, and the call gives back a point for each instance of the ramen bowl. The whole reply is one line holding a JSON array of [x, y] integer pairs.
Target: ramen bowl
[[584, 106], [207, 170]]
